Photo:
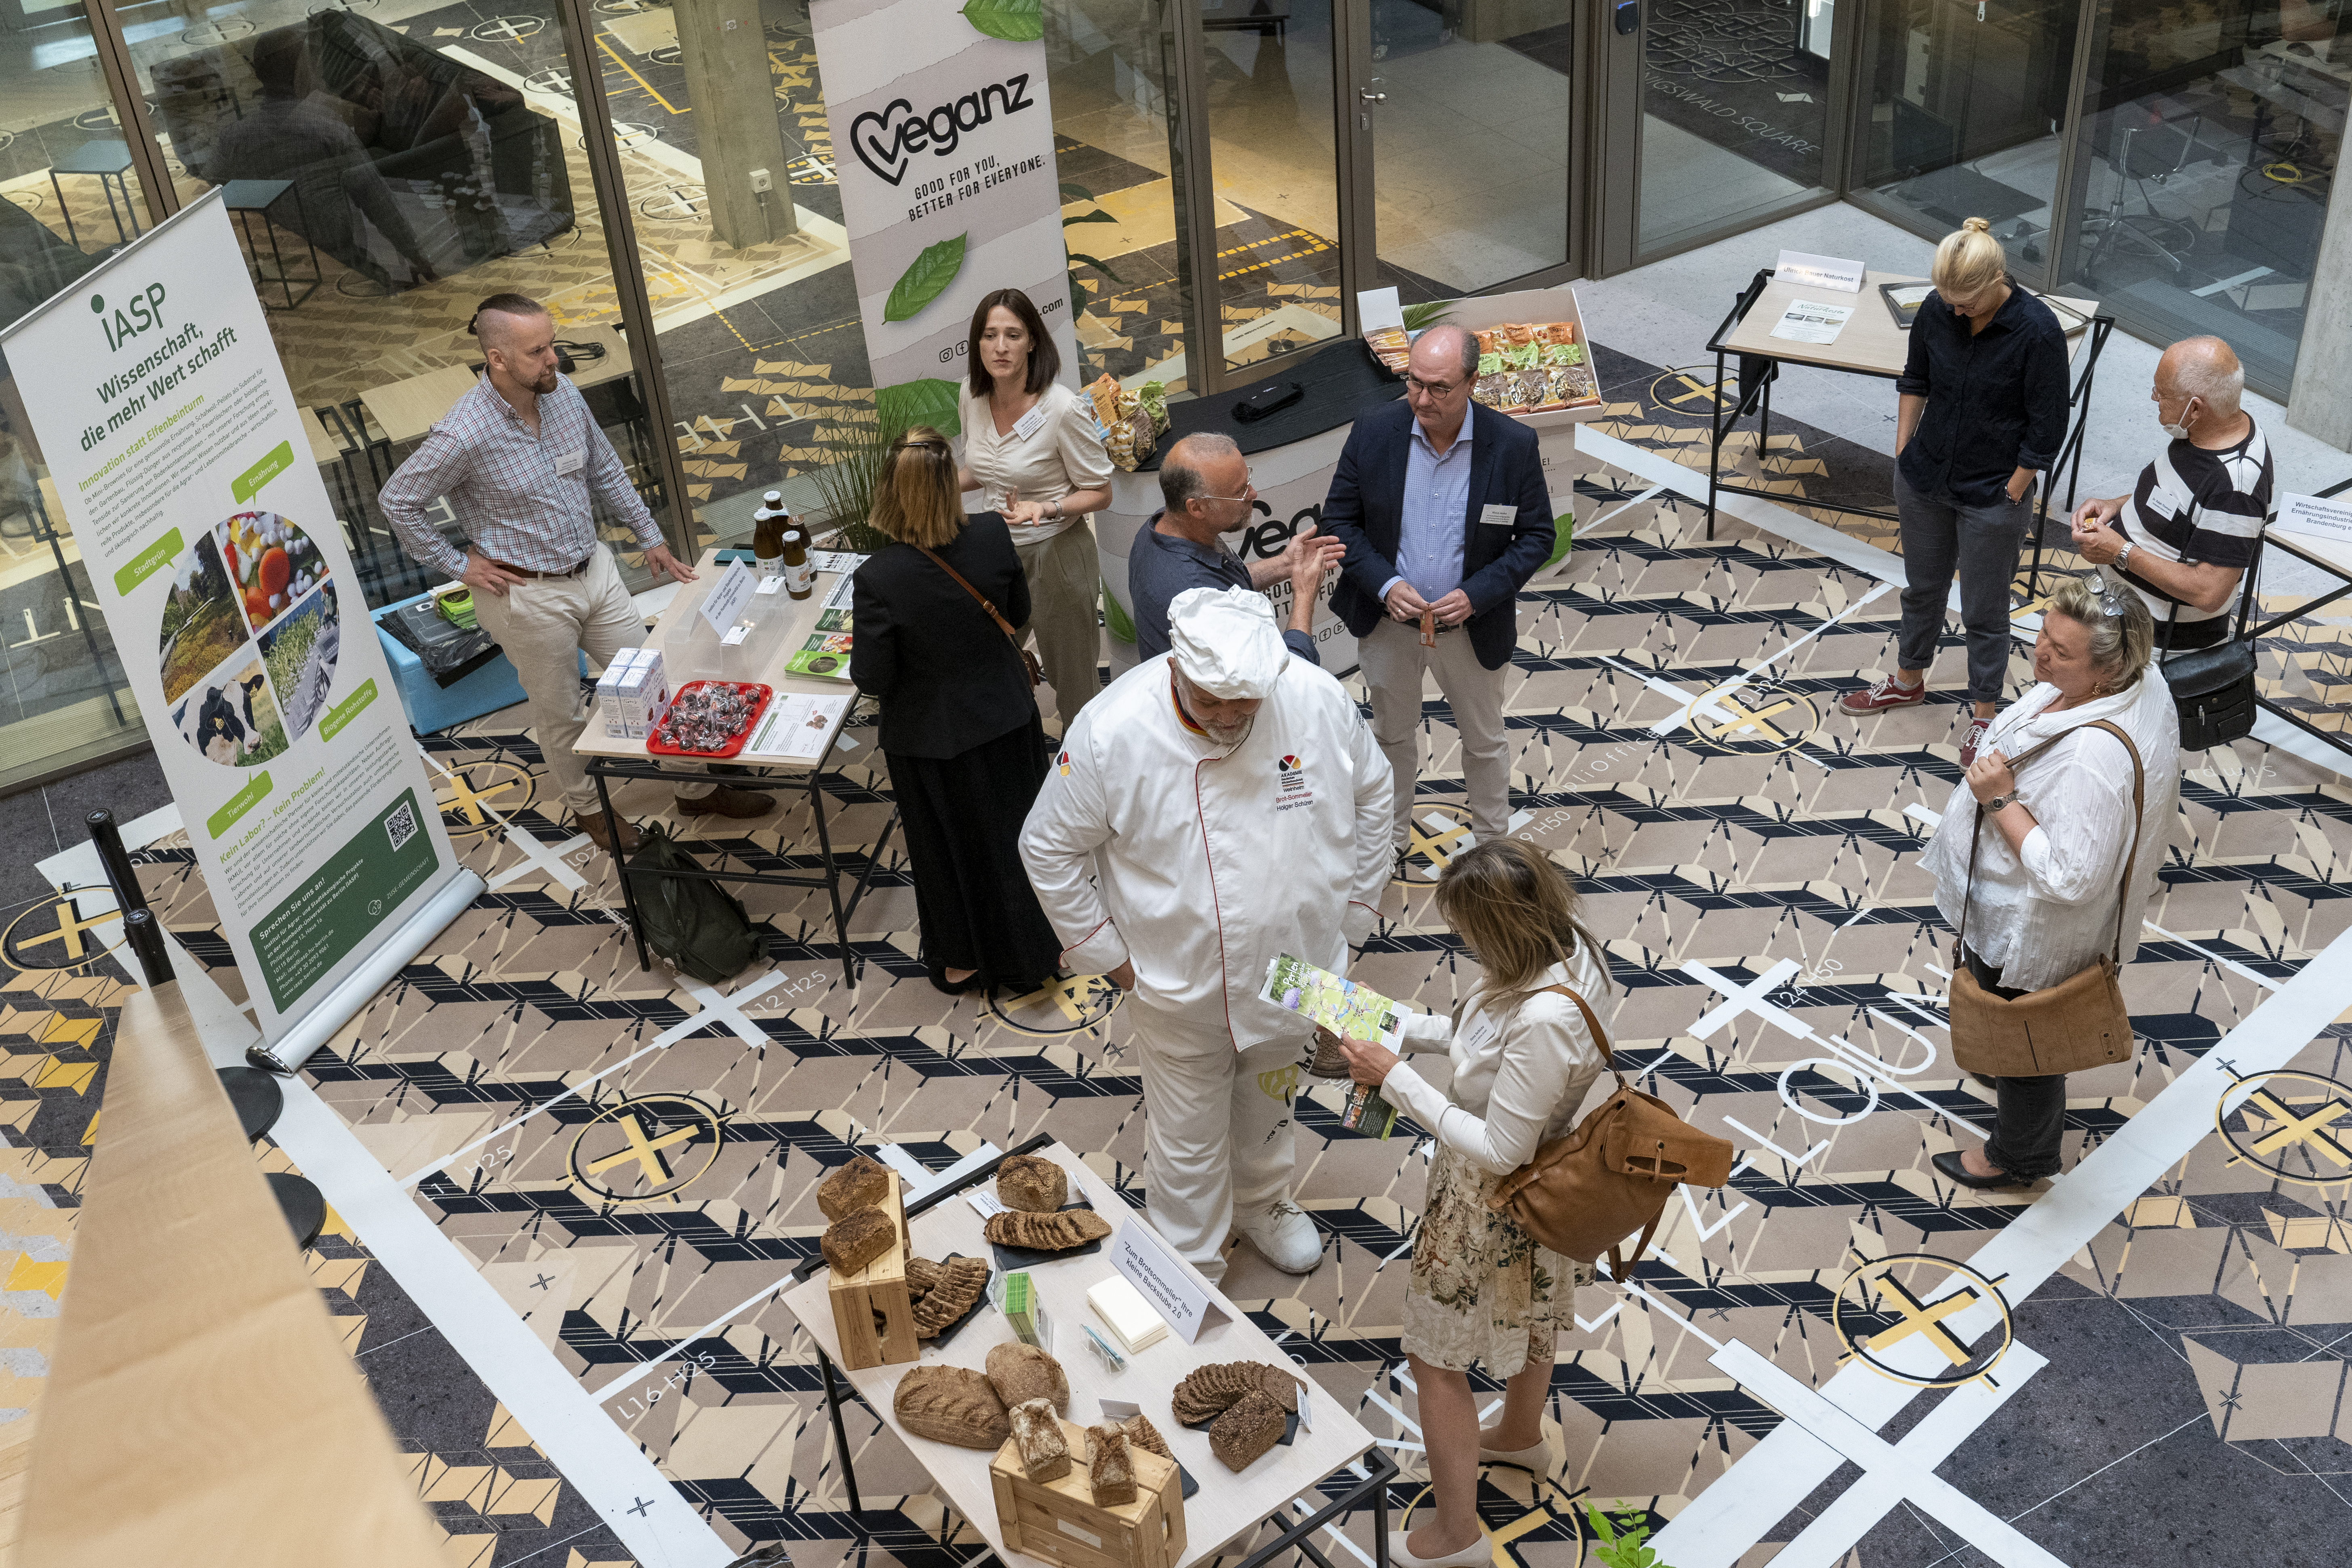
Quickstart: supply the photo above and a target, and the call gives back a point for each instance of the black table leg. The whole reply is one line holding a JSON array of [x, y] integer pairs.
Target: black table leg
[[840, 1434], [621, 865], [832, 878], [1380, 1526]]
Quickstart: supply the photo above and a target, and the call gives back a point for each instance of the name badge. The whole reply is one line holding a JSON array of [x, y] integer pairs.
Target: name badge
[[1497, 516], [1029, 424], [570, 462]]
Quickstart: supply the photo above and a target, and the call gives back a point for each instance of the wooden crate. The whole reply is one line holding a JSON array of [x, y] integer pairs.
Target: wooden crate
[[878, 1290], [1059, 1521]]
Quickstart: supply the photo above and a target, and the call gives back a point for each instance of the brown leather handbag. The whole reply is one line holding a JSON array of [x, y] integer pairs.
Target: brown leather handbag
[[1028, 660], [1583, 1194], [2079, 1023]]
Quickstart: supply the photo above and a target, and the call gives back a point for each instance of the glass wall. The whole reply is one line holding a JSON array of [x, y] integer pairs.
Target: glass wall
[[1735, 111], [387, 168], [73, 197], [1967, 103], [2206, 153]]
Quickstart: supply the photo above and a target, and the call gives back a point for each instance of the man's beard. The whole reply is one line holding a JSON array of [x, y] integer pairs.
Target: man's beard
[[545, 382], [1228, 734]]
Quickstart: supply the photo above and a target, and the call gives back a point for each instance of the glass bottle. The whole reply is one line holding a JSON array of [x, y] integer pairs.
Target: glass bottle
[[768, 525], [800, 572]]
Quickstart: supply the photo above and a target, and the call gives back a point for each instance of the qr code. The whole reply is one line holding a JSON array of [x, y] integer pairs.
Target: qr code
[[401, 826]]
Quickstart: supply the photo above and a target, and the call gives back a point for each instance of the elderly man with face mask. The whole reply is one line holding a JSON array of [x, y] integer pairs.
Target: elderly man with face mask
[[1205, 484], [2182, 538], [1215, 807]]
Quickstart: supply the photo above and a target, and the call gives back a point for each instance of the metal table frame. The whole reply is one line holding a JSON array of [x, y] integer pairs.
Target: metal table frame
[[1757, 373], [601, 769], [1298, 1535], [242, 206], [2250, 631]]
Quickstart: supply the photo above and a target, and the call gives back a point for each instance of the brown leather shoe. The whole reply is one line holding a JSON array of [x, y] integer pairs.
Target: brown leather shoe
[[724, 801], [593, 827]]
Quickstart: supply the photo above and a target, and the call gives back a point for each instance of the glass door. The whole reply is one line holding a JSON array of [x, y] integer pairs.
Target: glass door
[[1462, 111]]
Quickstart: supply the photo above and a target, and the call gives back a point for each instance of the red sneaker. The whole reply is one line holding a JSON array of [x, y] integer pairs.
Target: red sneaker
[[1973, 739], [1887, 693]]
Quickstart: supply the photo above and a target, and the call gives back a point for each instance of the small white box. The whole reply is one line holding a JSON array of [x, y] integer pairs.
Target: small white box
[[1123, 1309], [644, 697], [608, 691]]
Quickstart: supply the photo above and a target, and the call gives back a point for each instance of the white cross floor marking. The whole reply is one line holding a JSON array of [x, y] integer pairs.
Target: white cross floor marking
[[1749, 998], [548, 859]]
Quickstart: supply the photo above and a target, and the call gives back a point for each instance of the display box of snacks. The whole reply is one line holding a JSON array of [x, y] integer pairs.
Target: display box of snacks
[[1535, 360]]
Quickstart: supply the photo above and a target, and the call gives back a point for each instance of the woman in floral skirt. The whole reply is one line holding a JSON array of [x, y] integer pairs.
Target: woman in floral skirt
[[1482, 1289]]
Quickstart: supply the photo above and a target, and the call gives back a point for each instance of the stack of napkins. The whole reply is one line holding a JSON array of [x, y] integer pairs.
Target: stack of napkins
[[1121, 1305]]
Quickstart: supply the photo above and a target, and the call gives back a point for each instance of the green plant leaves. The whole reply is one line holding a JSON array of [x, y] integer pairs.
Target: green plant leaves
[[1098, 215], [1014, 21], [1071, 192], [923, 282], [930, 402], [1428, 314]]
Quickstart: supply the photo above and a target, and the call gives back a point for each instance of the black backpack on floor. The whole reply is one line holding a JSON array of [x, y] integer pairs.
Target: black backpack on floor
[[694, 923]]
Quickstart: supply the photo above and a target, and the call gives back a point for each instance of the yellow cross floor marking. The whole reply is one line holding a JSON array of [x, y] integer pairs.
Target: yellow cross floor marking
[[1918, 1318], [70, 930], [1499, 1541], [650, 1164], [1065, 995], [2313, 1129], [463, 796], [1697, 389], [1437, 846], [1743, 719]]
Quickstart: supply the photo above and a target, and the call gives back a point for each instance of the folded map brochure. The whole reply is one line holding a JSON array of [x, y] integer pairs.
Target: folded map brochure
[[1369, 1112], [827, 654], [833, 621], [1350, 1011]]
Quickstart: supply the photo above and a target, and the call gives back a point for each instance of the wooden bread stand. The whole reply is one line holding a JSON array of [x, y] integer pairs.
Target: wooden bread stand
[[878, 1291], [1060, 1522]]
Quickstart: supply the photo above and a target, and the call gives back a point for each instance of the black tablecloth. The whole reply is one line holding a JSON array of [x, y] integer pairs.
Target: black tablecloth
[[1342, 380]]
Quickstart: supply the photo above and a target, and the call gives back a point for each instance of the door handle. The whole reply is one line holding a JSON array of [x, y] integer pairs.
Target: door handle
[[1373, 97]]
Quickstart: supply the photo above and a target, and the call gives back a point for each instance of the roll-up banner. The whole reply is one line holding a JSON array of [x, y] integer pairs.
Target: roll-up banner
[[178, 453], [943, 141]]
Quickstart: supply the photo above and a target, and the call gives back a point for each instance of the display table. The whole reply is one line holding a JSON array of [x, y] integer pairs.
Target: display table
[[610, 757], [2330, 557], [1871, 344], [1228, 1505]]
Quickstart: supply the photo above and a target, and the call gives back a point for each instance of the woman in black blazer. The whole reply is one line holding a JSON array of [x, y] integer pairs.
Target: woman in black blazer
[[967, 750]]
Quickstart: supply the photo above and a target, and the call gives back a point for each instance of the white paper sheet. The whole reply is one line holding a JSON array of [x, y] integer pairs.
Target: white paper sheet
[[796, 726], [1811, 322]]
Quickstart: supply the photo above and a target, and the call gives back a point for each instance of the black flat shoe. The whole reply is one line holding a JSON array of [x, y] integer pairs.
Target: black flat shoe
[[1950, 1165], [938, 975]]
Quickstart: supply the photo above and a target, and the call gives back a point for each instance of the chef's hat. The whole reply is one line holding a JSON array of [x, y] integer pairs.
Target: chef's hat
[[1226, 642]]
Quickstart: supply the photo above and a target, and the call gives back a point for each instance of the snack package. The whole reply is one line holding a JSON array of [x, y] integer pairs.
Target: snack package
[[1393, 346], [1130, 421]]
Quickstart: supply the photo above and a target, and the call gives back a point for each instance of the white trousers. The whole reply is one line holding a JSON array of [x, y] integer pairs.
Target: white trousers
[[543, 625], [1217, 1132], [1393, 662]]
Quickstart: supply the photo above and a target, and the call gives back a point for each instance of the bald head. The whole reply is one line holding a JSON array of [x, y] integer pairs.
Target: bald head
[[1444, 353], [2202, 368]]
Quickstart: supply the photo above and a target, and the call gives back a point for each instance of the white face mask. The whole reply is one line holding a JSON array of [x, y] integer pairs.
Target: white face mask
[[2178, 432]]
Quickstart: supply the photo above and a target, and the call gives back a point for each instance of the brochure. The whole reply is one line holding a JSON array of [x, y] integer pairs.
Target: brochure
[[1352, 1012]]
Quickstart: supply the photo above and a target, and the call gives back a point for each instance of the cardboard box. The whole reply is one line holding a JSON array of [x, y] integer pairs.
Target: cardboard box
[[1059, 1523], [633, 694], [1536, 305]]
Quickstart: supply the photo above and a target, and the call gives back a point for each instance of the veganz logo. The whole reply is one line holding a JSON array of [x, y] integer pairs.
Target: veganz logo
[[885, 142]]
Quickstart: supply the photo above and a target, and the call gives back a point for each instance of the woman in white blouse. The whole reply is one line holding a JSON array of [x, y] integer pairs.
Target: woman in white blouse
[[2049, 854], [1482, 1289], [1031, 448]]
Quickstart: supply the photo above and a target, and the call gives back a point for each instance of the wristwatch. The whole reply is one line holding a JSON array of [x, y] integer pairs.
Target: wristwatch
[[2001, 802], [2123, 556]]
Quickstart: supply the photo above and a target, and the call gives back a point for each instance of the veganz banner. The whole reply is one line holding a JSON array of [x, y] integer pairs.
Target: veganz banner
[[943, 141], [178, 452]]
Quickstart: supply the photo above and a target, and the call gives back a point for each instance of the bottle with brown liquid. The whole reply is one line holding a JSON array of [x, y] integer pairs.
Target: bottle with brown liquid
[[768, 524], [800, 573]]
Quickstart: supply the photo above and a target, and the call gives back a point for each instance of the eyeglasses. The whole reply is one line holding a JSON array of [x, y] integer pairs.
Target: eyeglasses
[[1249, 492], [1429, 388]]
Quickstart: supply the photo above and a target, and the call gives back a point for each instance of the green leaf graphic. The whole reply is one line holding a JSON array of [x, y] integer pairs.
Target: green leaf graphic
[[930, 402], [1014, 21], [933, 271]]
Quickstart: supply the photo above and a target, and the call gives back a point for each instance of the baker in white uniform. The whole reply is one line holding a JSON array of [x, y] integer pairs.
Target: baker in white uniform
[[1216, 807]]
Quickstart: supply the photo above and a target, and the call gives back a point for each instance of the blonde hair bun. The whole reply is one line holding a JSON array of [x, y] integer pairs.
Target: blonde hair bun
[[1969, 261], [1976, 225]]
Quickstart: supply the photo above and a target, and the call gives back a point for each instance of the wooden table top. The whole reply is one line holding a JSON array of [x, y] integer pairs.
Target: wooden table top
[[407, 408], [1227, 1504], [1869, 343]]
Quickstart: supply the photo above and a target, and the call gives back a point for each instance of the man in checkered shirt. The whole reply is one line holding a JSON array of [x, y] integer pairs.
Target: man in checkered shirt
[[518, 456]]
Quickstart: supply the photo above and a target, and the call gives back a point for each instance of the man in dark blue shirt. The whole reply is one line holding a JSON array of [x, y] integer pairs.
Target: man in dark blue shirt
[[1205, 480]]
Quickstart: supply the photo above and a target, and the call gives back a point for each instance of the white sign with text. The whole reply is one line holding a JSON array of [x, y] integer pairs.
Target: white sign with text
[[2314, 517], [1819, 271], [1173, 1290]]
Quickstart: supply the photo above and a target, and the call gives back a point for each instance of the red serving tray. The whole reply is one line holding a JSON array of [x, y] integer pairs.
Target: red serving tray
[[760, 696]]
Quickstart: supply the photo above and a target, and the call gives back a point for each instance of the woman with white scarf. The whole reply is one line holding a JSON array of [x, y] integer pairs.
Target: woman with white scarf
[[2049, 851]]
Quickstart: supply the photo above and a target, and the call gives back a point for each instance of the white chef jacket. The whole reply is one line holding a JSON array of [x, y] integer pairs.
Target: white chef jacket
[[2043, 915], [1152, 844]]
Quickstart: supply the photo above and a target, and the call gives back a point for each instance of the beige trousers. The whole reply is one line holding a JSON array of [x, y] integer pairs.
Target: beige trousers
[[1394, 663], [544, 625], [1064, 597]]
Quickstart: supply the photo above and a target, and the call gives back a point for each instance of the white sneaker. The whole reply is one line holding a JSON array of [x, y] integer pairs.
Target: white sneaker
[[1286, 1237]]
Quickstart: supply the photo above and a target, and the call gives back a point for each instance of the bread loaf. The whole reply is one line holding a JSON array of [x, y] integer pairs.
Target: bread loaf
[[1046, 1232], [1036, 1187], [1252, 1425], [1037, 1432], [1021, 1372], [861, 1184], [1141, 1433], [951, 1404], [921, 1275], [856, 1239], [1108, 1469], [957, 1284], [1219, 1385]]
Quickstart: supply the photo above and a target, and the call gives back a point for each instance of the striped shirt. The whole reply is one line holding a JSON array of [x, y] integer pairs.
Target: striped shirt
[[519, 497], [2196, 505]]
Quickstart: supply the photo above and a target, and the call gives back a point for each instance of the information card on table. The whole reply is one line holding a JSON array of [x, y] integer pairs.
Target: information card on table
[[2314, 517], [179, 457], [1148, 1264], [1811, 322], [1819, 271]]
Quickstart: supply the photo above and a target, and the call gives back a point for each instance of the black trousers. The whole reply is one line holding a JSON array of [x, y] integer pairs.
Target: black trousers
[[2029, 1114], [962, 817]]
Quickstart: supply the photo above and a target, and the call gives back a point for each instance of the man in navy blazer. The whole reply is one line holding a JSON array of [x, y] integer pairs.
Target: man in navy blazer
[[1442, 507]]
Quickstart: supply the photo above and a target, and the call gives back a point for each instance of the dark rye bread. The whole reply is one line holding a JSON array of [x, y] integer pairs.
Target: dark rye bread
[[951, 1404], [1141, 1433], [1252, 1425], [861, 1184], [1217, 1387], [1046, 1232], [1109, 1471], [856, 1239], [957, 1284], [1025, 1182], [1021, 1372]]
